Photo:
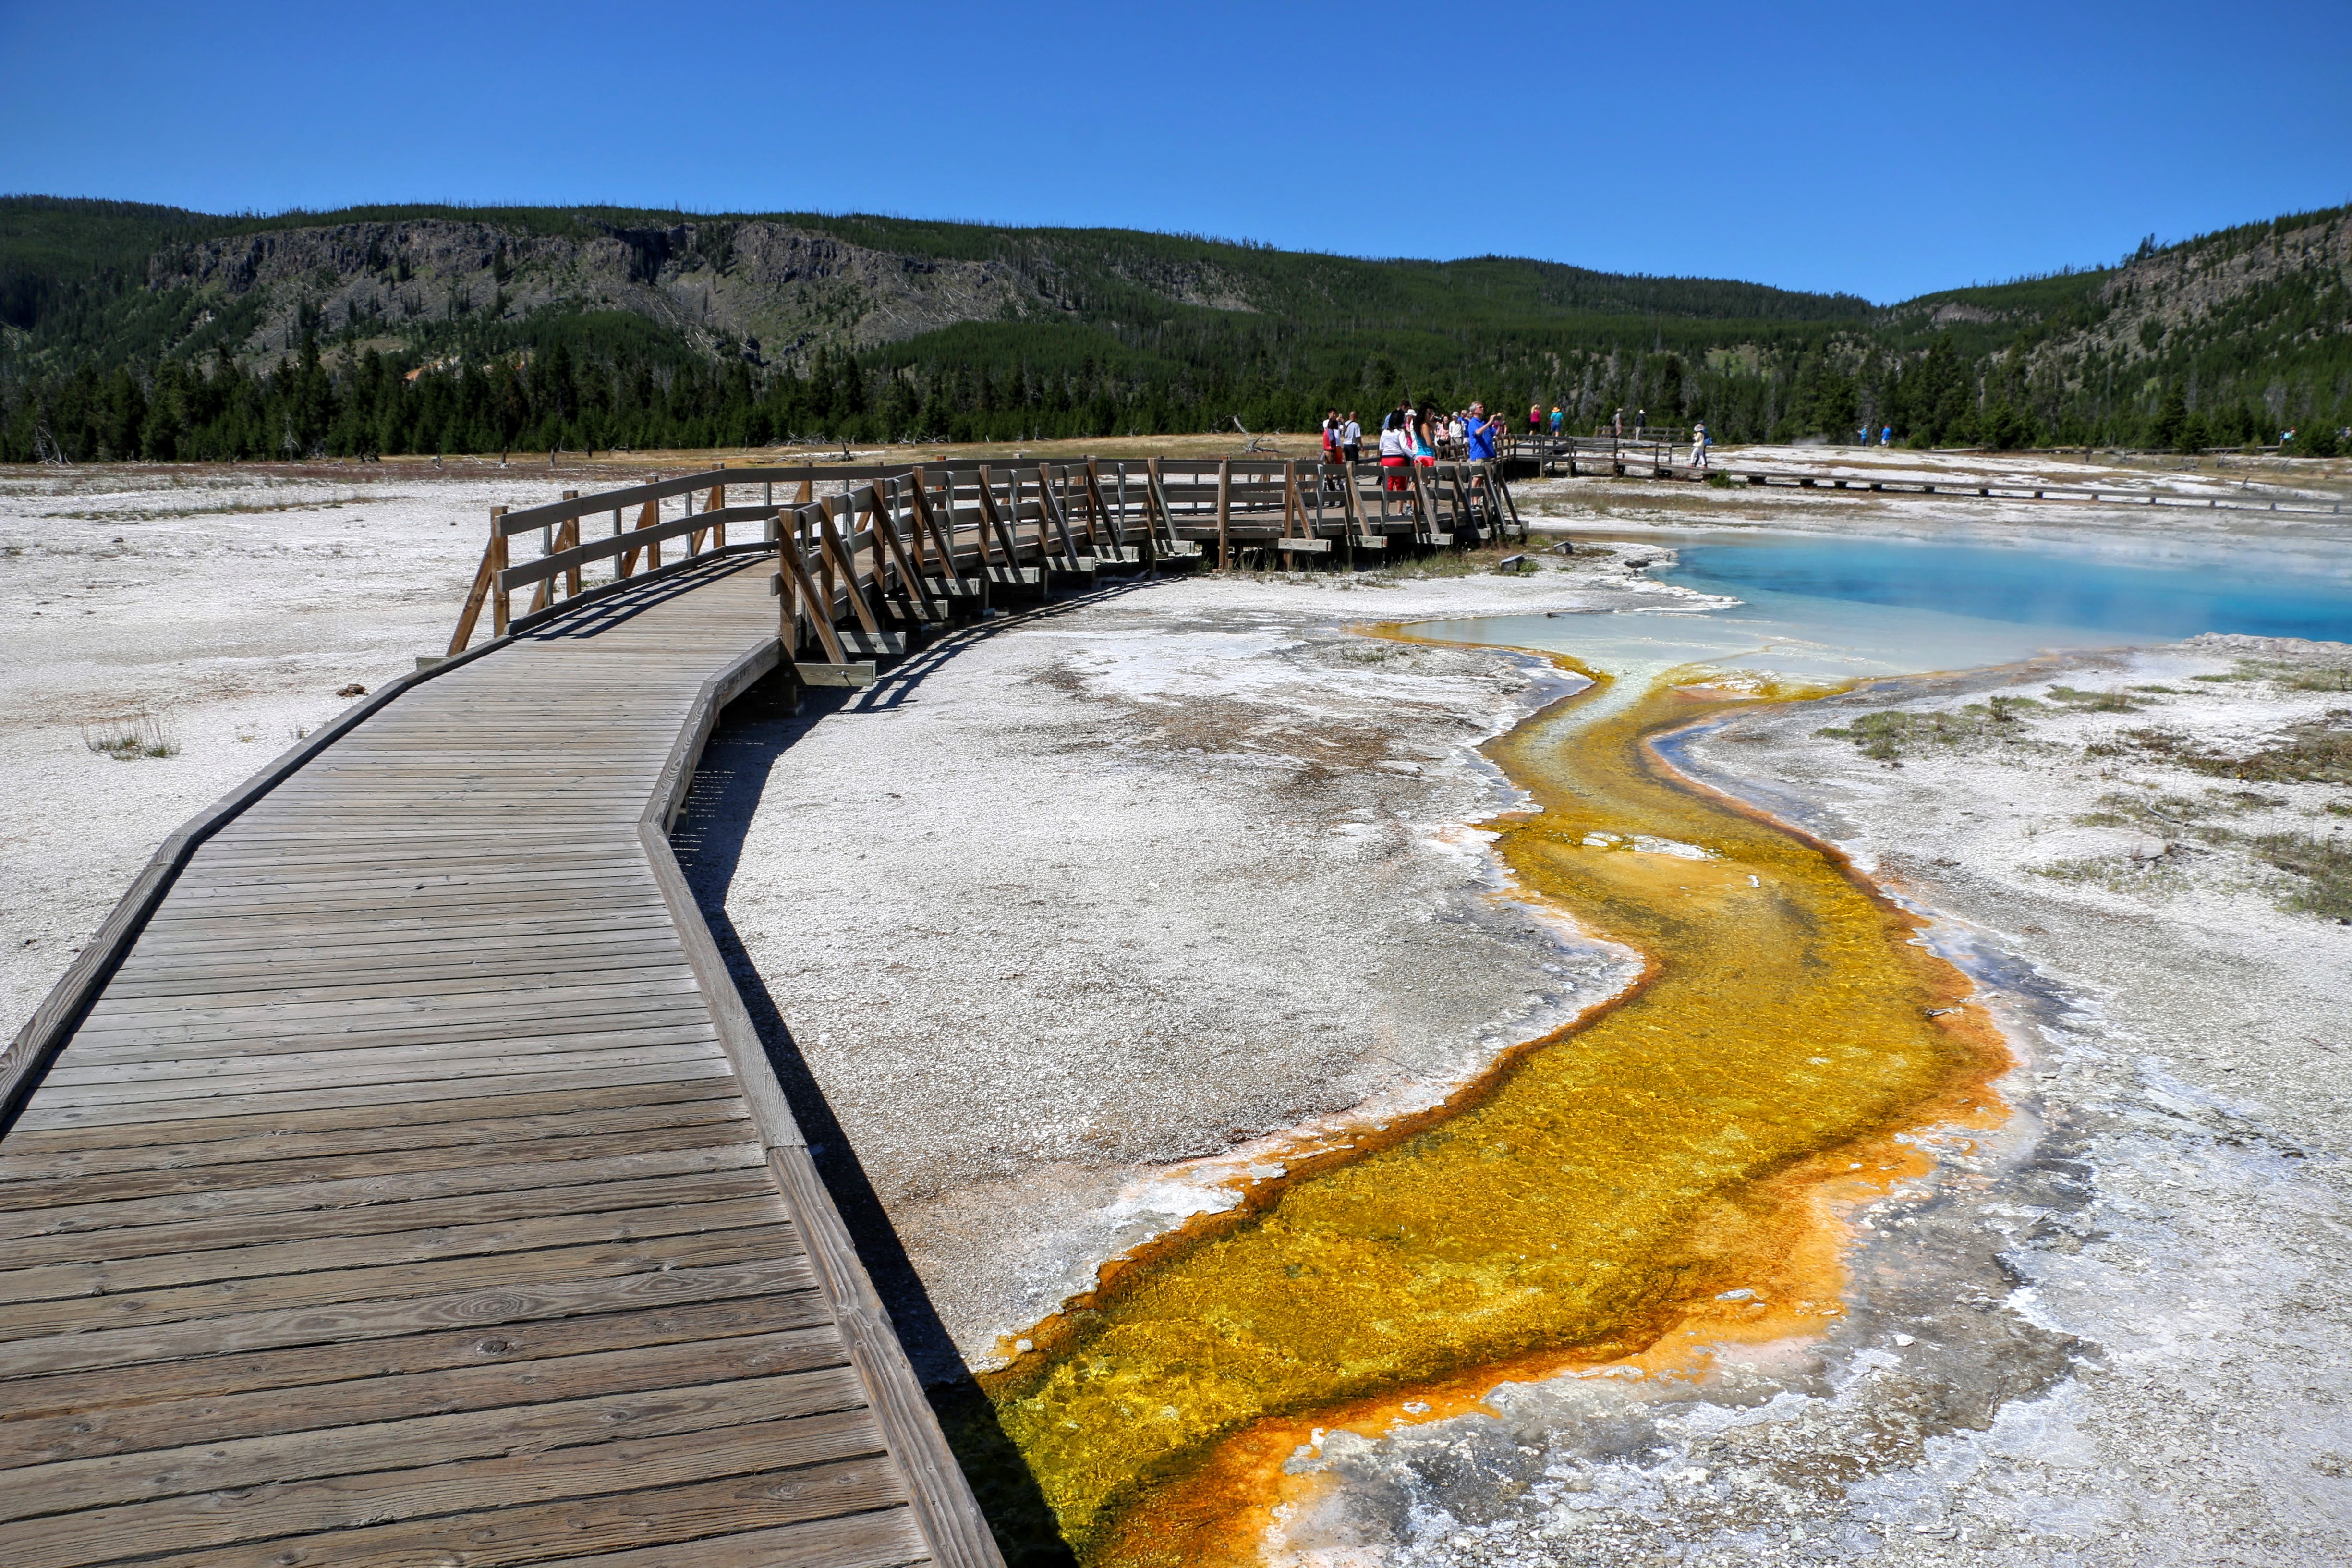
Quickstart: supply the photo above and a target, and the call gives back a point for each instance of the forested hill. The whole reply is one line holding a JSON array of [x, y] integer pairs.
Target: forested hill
[[130, 331]]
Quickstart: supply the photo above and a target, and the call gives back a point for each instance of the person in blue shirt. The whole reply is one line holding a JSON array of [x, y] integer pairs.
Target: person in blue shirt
[[1886, 437], [1481, 433]]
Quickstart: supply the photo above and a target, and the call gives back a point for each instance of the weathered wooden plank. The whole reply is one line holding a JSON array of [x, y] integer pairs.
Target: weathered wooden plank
[[186, 1181], [349, 1268], [746, 1301], [537, 1533], [406, 1447], [396, 1015], [553, 1284], [885, 1539], [372, 1212], [459, 1097], [620, 975], [276, 1132], [506, 1382], [259, 966]]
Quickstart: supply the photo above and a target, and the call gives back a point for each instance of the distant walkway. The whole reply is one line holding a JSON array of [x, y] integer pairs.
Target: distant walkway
[[1602, 457]]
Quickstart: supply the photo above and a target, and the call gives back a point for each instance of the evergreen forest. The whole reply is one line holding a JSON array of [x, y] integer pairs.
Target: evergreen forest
[[132, 331]]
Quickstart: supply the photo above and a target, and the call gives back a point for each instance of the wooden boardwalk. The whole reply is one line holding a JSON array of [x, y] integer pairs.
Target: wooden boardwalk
[[1588, 457], [415, 1190], [397, 1177]]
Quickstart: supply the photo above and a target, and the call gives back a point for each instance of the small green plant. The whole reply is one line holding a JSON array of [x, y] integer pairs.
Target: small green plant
[[127, 738], [2094, 702], [2323, 864], [1718, 481], [2005, 710]]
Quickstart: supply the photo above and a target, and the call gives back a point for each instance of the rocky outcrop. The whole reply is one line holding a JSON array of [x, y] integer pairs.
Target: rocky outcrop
[[760, 288]]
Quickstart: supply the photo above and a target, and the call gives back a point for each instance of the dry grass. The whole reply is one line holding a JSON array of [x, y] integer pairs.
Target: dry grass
[[2096, 702], [1479, 562], [2318, 751], [2323, 864], [131, 737], [1888, 734], [2157, 878]]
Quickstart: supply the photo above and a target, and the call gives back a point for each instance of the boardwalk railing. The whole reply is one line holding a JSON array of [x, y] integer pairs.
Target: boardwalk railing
[[1586, 457], [889, 550]]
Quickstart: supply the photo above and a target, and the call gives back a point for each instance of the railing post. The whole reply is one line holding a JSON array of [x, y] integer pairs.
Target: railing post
[[498, 608], [1225, 507], [567, 537]]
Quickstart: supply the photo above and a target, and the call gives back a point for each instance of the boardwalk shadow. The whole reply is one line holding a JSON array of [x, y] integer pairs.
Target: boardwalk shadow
[[753, 733]]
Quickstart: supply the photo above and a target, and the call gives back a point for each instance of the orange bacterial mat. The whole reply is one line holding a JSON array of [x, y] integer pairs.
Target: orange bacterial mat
[[1588, 1204]]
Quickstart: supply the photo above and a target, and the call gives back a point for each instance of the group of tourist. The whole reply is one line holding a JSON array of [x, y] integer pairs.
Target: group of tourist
[[1410, 437]]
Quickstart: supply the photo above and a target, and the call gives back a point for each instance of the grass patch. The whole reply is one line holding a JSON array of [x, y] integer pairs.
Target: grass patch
[[2323, 864], [1885, 736], [2094, 702], [1480, 562], [2318, 751], [2157, 878], [2316, 677], [125, 740]]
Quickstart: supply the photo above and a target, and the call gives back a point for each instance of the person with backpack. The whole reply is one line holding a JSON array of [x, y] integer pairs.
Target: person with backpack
[[1698, 446]]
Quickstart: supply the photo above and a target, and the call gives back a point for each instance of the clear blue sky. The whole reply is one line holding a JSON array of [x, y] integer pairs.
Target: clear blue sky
[[1885, 149]]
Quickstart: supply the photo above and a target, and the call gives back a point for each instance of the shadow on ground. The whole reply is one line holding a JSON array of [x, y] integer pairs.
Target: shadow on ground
[[753, 733]]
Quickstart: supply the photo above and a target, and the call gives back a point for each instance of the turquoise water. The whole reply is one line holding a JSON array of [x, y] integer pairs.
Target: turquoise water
[[1842, 606]]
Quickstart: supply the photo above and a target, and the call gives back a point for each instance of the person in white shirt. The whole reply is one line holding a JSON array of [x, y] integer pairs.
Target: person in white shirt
[[1698, 446], [1396, 449], [1351, 437]]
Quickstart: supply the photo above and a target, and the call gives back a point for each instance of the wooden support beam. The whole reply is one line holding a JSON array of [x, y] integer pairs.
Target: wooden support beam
[[820, 610], [838, 553], [484, 575], [717, 533], [648, 516], [993, 518], [1097, 503], [1224, 511], [1049, 510], [567, 537], [501, 611], [916, 597]]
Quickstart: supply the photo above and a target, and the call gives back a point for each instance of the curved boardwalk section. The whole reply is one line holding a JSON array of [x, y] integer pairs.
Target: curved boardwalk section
[[416, 1192]]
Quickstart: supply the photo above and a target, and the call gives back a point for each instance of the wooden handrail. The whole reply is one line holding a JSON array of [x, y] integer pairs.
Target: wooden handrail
[[572, 559], [890, 534]]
